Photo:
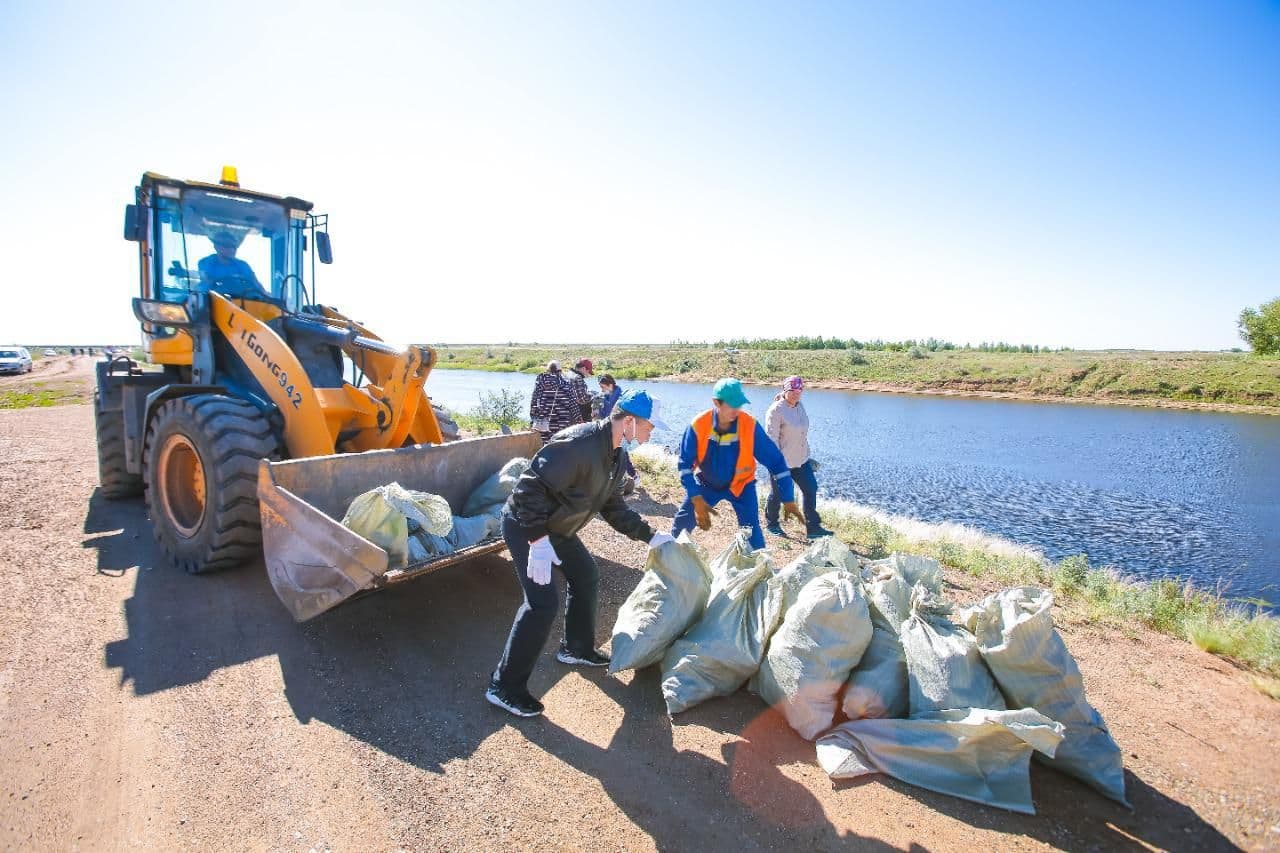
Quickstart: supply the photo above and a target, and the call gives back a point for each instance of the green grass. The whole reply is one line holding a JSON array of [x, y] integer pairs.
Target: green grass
[[39, 398], [1113, 375], [1267, 686]]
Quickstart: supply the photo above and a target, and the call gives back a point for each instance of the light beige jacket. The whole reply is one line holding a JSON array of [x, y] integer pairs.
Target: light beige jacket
[[788, 426]]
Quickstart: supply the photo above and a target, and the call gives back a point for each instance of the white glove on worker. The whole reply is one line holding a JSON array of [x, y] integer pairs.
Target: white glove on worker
[[660, 539], [541, 557]]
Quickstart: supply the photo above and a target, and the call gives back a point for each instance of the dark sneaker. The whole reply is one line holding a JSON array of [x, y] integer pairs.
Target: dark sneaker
[[819, 533], [775, 528], [519, 703], [591, 658]]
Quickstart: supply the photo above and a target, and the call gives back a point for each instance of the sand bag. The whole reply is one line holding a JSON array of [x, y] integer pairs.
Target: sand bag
[[821, 639], [670, 597], [877, 687], [496, 489], [912, 568], [977, 754], [945, 671], [718, 654], [1034, 669], [831, 552], [386, 515]]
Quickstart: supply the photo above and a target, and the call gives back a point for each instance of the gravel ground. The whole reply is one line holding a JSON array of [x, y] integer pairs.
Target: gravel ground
[[143, 708]]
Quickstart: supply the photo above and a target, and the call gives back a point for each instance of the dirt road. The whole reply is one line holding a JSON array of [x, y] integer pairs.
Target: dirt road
[[142, 708]]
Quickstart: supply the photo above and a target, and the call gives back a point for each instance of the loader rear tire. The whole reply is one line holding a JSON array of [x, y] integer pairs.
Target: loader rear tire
[[200, 467], [114, 479], [448, 426]]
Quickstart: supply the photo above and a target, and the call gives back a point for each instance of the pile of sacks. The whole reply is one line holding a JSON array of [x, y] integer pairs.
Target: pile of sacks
[[954, 702], [418, 527]]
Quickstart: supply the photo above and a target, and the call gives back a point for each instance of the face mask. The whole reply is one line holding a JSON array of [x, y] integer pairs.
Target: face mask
[[630, 444]]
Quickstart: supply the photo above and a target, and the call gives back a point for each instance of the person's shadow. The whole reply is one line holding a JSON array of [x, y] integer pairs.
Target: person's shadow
[[404, 671]]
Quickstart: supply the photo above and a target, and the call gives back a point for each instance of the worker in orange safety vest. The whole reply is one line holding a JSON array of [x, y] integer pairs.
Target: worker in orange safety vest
[[718, 457]]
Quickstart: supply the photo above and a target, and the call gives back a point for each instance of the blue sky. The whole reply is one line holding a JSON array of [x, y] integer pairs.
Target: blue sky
[[1083, 174]]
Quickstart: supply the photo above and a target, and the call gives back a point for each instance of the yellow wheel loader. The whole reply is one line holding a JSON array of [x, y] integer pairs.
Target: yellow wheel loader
[[270, 411]]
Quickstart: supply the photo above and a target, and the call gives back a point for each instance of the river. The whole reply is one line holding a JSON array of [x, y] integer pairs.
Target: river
[[1154, 492]]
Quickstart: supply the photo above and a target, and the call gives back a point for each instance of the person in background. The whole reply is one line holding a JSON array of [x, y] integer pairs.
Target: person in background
[[787, 423], [610, 391], [718, 457], [578, 382], [574, 476], [551, 406]]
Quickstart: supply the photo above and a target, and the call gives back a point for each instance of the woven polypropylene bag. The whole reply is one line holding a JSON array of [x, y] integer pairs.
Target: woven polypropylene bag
[[1034, 669], [387, 514], [496, 489], [877, 687], [821, 639], [718, 654], [974, 753], [670, 597], [945, 671]]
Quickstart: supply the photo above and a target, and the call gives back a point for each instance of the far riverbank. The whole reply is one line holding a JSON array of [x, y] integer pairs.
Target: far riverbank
[[1223, 382]]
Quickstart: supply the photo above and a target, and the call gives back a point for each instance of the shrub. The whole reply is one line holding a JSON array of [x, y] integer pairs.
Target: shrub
[[856, 357], [1260, 327], [496, 409], [917, 352]]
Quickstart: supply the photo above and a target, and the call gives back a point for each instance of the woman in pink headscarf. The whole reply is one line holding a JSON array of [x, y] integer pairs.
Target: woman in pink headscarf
[[787, 423]]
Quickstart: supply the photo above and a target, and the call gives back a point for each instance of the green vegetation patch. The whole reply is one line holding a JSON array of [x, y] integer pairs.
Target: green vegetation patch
[[38, 398], [1114, 375]]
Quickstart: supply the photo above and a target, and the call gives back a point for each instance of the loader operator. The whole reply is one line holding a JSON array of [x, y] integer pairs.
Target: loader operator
[[576, 474], [225, 273], [718, 457]]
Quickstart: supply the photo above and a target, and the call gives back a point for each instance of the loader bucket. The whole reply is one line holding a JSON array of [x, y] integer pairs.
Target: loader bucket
[[315, 563]]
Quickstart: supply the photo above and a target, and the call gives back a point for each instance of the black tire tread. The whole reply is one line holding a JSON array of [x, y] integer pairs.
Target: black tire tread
[[114, 479], [232, 436]]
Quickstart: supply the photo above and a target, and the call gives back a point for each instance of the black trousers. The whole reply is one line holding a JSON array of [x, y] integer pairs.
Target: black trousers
[[534, 619]]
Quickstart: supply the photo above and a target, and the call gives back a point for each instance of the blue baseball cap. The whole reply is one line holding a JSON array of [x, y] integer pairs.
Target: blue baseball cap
[[729, 392], [640, 404]]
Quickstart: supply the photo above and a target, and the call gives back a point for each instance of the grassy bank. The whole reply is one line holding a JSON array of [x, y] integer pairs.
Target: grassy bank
[[1083, 592], [1184, 378]]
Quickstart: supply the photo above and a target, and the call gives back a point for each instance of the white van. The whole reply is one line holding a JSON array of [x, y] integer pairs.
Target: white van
[[14, 360]]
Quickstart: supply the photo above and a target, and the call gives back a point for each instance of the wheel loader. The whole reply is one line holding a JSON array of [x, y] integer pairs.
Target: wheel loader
[[269, 412]]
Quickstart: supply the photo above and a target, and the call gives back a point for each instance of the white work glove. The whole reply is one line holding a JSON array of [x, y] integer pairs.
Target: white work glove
[[660, 539], [541, 557]]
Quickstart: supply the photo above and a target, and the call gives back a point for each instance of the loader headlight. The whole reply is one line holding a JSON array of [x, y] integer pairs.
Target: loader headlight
[[161, 313]]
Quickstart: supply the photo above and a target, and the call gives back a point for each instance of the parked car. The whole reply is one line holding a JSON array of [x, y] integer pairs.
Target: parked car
[[51, 351], [15, 360]]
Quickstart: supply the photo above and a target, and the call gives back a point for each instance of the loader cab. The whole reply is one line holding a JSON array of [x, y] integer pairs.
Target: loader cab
[[195, 237]]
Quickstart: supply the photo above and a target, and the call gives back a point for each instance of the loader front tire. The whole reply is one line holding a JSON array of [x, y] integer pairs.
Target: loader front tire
[[200, 466], [114, 480]]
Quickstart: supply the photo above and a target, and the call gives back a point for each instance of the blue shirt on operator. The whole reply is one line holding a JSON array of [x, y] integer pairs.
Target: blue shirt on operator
[[230, 277]]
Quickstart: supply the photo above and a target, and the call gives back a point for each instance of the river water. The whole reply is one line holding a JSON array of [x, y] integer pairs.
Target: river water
[[1154, 492]]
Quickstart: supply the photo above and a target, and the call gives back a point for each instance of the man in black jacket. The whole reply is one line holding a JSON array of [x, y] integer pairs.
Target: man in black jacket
[[578, 473]]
